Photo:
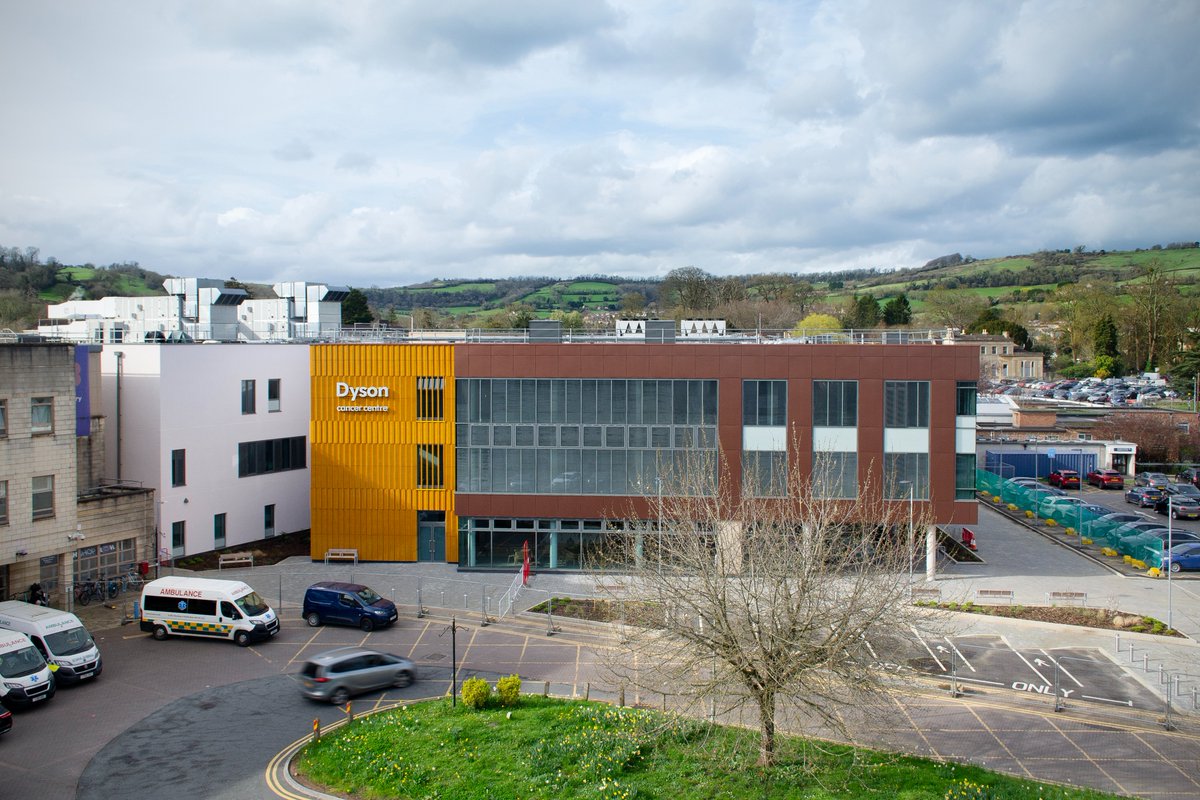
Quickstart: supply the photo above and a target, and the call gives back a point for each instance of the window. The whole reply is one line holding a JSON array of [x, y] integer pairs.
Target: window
[[835, 404], [271, 455], [968, 394], [964, 476], [764, 403], [906, 404], [835, 475], [431, 398], [218, 531], [48, 573], [43, 496], [3, 418], [268, 521], [900, 470], [3, 502], [764, 473], [178, 467], [273, 389], [247, 397], [178, 537], [429, 466], [41, 415]]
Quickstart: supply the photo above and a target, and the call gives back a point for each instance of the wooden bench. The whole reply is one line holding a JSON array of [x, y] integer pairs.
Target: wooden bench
[[921, 593], [341, 554], [994, 594], [232, 559], [1068, 598]]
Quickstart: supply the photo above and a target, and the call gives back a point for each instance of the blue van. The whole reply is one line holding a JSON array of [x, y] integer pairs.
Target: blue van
[[347, 604]]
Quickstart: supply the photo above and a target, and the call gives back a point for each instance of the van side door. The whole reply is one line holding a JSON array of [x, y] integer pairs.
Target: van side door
[[229, 614]]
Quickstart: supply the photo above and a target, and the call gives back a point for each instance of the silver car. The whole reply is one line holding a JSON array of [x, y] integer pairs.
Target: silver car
[[336, 675]]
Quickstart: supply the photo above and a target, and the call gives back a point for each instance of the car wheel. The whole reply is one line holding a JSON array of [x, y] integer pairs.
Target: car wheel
[[339, 696], [403, 678], [241, 638], [160, 632], [313, 619], [1175, 566], [367, 624]]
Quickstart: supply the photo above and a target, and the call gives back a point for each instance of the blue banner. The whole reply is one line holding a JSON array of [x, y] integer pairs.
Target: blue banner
[[83, 398]]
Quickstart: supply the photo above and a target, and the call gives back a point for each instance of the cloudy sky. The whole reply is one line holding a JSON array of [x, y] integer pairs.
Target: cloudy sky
[[384, 143]]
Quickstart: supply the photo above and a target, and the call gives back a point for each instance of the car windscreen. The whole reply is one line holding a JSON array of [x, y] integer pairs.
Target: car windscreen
[[19, 663], [69, 642], [368, 595], [252, 604]]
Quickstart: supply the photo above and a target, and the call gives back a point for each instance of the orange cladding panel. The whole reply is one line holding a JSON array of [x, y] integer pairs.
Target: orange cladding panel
[[382, 422]]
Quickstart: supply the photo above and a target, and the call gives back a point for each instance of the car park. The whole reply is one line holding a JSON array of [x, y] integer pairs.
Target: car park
[[347, 604], [1143, 496], [1064, 479], [1155, 479], [1183, 556], [337, 675], [1106, 479]]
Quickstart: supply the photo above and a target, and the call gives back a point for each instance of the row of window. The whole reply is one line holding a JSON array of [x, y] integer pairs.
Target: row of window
[[589, 472], [42, 498], [249, 395], [179, 530], [602, 401], [678, 402], [607, 436], [41, 416]]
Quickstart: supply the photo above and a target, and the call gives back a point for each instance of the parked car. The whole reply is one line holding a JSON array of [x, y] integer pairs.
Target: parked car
[[1183, 556], [1107, 522], [1064, 479], [1178, 506], [1143, 496], [1059, 505], [1175, 536], [347, 604], [1134, 528], [1191, 476], [6, 717], [1106, 479], [1183, 490], [337, 675], [1155, 479]]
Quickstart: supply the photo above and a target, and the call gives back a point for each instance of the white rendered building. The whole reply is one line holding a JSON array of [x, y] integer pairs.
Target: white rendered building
[[220, 430], [201, 309]]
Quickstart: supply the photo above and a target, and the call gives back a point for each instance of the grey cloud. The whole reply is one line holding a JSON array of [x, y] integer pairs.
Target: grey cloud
[[475, 32], [294, 150], [355, 162]]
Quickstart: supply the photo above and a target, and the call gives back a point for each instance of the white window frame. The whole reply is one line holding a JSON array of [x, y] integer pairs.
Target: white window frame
[[36, 404], [44, 513]]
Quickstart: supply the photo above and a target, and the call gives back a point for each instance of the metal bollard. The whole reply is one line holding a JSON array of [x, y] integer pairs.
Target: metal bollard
[[587, 691], [1162, 675], [1118, 642], [443, 603], [420, 605], [483, 620], [549, 616], [621, 698], [1145, 662], [465, 606], [545, 688]]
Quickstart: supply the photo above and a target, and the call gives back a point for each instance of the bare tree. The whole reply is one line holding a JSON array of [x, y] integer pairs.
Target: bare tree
[[768, 592]]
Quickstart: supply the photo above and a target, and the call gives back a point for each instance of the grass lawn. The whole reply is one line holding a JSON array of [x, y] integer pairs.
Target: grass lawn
[[546, 748]]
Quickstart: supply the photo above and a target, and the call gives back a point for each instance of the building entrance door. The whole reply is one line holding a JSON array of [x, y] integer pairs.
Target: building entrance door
[[431, 536]]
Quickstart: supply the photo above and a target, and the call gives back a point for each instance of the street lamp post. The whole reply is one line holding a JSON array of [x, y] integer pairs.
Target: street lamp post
[[911, 543], [1166, 555]]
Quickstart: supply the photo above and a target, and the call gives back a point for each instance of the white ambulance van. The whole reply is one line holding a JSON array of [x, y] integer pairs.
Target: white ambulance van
[[58, 635], [203, 607], [24, 677]]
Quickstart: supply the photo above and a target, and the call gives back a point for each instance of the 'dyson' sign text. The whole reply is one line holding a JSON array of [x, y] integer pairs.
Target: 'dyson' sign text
[[356, 393]]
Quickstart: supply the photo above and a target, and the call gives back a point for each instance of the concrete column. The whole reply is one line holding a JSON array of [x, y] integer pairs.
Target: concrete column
[[931, 552], [729, 546]]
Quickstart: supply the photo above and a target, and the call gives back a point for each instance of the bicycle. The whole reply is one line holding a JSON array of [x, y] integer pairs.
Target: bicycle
[[112, 586], [86, 591], [132, 581]]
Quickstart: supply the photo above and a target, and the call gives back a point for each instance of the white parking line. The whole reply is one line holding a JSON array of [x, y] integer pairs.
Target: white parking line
[[941, 666], [1062, 669], [1026, 660], [960, 655]]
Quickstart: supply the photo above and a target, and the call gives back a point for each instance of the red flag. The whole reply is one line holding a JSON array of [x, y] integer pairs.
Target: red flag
[[525, 565]]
